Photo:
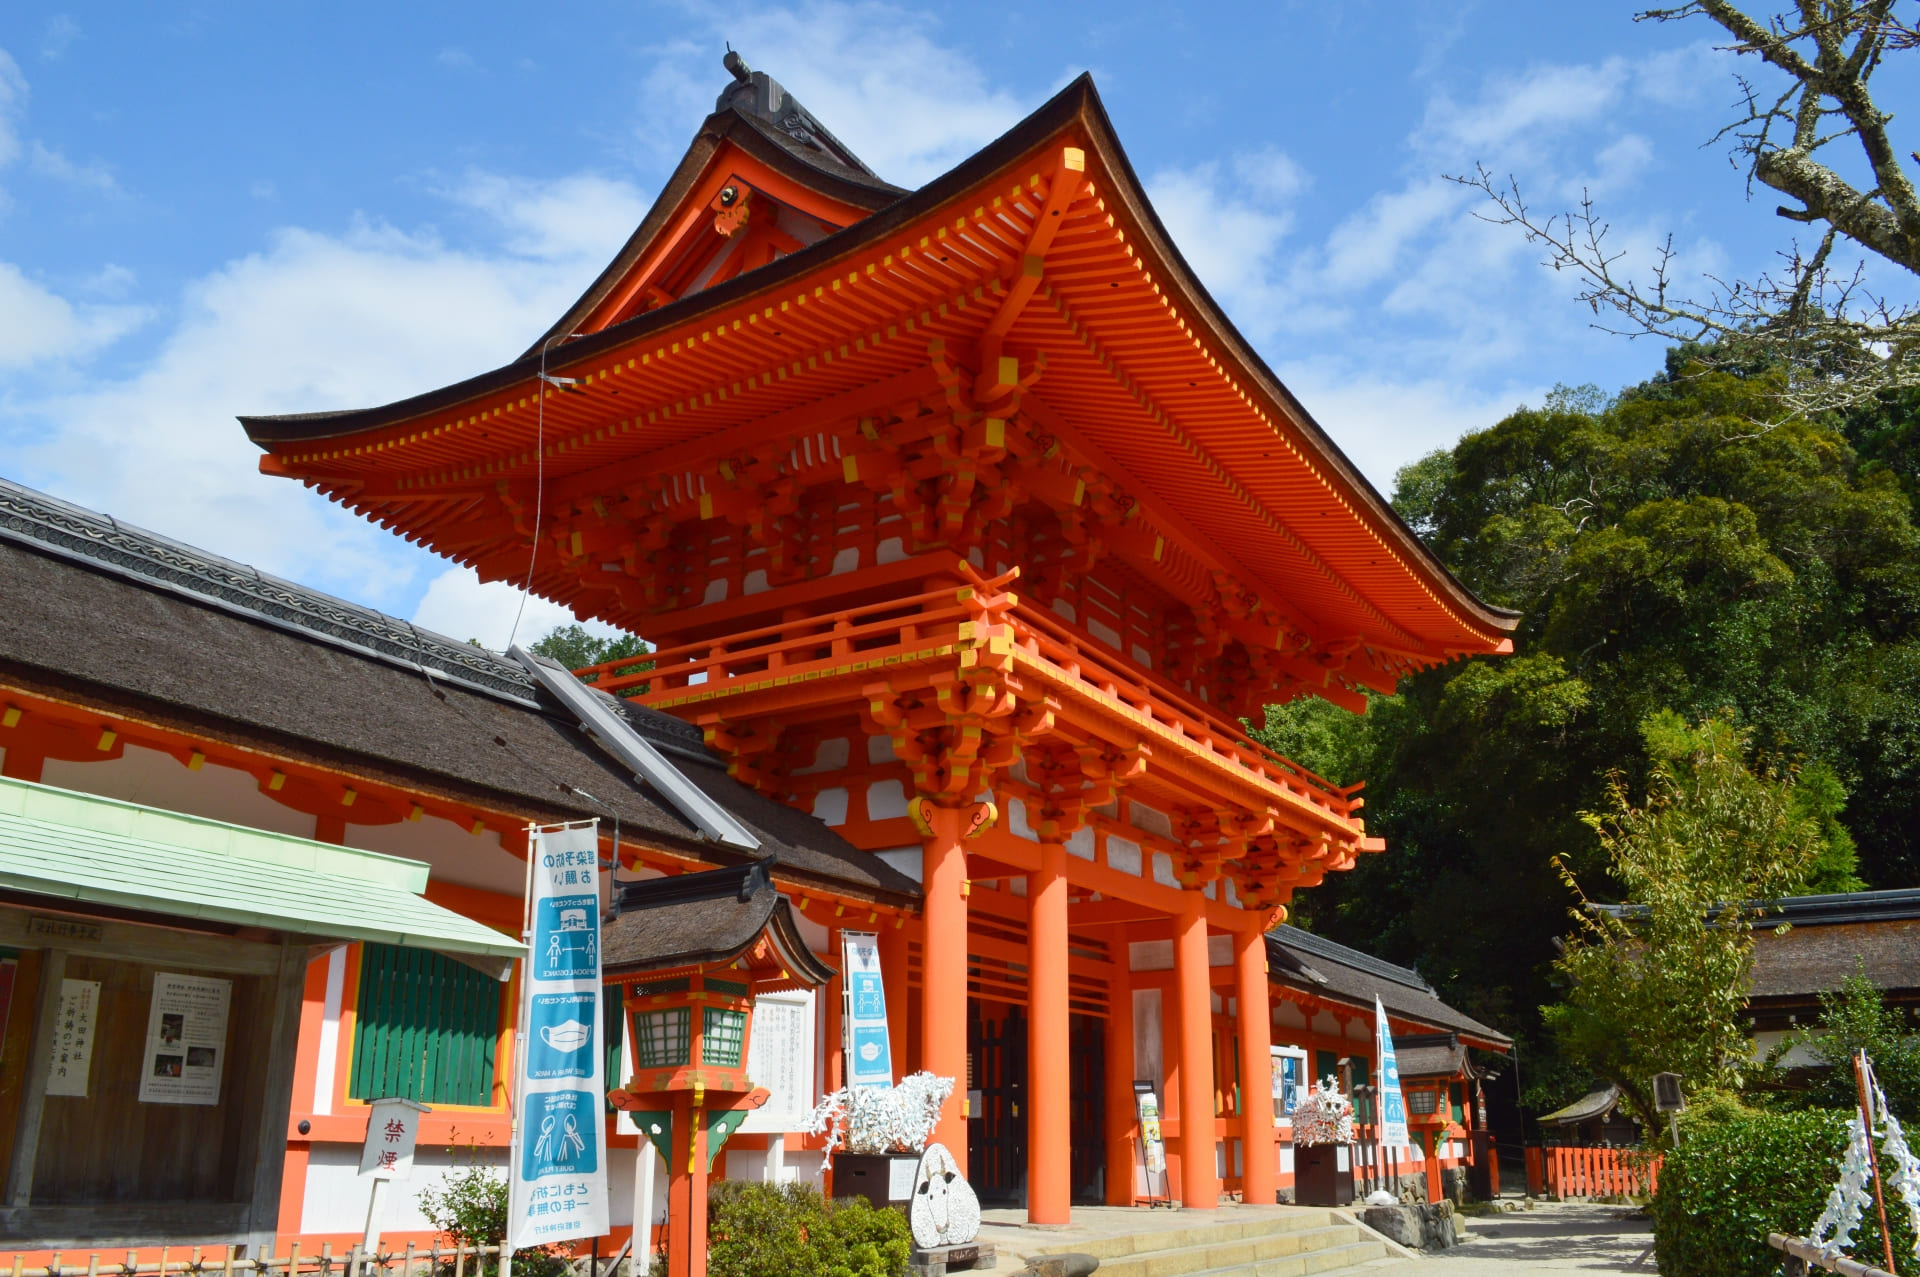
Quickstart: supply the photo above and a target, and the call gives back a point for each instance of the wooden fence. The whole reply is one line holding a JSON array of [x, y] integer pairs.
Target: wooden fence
[[222, 1261], [1803, 1255], [1592, 1172]]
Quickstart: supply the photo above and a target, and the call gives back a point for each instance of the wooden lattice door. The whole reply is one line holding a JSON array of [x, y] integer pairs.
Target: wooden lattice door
[[1087, 1074], [997, 1131]]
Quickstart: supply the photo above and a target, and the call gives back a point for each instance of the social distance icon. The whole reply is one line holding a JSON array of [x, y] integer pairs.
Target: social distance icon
[[568, 1035]]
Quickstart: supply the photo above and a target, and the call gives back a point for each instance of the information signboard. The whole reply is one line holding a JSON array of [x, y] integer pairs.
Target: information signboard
[[559, 1167]]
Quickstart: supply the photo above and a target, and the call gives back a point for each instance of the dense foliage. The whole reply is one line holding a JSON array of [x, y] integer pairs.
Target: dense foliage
[[1740, 1174], [1854, 1017], [1662, 988], [574, 648], [469, 1208], [1666, 553], [759, 1230]]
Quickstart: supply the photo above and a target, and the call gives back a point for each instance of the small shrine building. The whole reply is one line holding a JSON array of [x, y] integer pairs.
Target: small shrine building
[[962, 518]]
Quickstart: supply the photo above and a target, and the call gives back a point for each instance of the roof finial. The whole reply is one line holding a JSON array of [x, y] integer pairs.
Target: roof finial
[[737, 65]]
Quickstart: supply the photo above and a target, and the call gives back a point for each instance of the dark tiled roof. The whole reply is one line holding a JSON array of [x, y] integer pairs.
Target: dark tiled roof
[[1430, 1054], [1588, 1107], [1320, 966], [119, 617], [1814, 958], [695, 919]]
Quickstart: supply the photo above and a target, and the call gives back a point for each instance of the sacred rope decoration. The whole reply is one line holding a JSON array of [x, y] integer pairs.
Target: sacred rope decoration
[[1324, 1116], [1848, 1202], [880, 1119]]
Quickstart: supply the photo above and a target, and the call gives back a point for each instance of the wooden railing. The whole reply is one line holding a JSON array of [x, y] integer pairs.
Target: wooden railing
[[1599, 1172], [224, 1261], [917, 624], [1803, 1254]]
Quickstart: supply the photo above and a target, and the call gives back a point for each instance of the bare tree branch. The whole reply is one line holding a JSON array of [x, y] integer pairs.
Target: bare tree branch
[[1841, 342]]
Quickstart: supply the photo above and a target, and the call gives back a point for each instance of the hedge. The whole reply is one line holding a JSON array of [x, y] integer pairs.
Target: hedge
[[757, 1230], [1740, 1174]]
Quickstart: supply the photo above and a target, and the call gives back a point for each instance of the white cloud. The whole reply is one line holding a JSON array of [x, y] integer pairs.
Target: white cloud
[[1229, 223], [1382, 423], [50, 163], [582, 215], [458, 605], [875, 74], [61, 31], [312, 321], [1514, 116], [458, 59], [38, 326], [13, 107]]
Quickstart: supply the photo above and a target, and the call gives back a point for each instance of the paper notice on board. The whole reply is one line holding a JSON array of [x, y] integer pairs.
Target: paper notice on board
[[186, 1039], [72, 1044]]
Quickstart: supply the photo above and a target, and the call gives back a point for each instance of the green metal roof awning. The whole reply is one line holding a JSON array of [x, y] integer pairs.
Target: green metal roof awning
[[84, 848]]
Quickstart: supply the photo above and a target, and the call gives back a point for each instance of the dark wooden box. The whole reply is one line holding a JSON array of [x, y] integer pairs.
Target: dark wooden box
[[869, 1174], [1317, 1177]]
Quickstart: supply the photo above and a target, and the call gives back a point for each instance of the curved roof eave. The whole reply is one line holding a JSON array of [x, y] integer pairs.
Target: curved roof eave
[[1079, 103]]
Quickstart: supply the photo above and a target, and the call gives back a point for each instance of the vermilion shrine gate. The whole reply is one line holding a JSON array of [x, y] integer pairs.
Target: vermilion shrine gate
[[941, 497]]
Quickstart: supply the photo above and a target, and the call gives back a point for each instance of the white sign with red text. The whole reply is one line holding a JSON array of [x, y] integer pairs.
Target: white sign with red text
[[392, 1131]]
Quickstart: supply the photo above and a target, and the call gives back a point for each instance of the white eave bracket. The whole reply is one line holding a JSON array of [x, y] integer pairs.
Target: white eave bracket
[[637, 752]]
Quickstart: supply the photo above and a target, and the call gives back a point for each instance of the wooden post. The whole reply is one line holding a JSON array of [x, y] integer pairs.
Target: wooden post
[[1119, 1049], [33, 1099], [1873, 1153], [1259, 1174], [1049, 1048], [1199, 1182], [276, 1100], [943, 969]]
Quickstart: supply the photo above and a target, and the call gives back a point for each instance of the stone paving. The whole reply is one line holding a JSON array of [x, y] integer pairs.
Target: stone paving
[[1552, 1237]]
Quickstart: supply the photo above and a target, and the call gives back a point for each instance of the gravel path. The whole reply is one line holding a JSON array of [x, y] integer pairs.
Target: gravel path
[[1553, 1237]]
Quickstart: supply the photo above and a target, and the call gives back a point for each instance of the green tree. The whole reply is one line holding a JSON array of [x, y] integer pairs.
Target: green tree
[[1854, 1017], [576, 649], [1662, 985], [1665, 554]]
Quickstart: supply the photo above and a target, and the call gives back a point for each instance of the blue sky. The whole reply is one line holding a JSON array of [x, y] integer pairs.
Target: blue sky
[[211, 209]]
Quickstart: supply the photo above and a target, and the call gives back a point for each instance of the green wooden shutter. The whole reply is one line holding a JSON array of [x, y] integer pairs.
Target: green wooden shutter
[[425, 1029]]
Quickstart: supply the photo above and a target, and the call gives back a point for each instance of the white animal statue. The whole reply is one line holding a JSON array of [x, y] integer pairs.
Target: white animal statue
[[945, 1211]]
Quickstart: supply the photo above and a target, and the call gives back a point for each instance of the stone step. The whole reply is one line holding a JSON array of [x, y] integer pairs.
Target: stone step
[[1110, 1249], [1273, 1253]]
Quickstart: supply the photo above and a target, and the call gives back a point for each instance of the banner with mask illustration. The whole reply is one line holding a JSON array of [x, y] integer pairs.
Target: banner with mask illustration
[[559, 1167], [869, 1053], [1393, 1105]]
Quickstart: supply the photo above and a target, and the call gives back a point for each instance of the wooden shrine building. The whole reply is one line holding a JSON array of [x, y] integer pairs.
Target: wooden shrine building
[[963, 519]]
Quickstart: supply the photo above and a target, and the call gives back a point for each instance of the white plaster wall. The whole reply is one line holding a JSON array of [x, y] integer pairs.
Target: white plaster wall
[[456, 855], [157, 779], [1147, 1061], [337, 1196]]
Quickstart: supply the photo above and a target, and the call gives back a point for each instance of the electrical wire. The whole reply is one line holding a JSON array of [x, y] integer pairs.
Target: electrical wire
[[539, 474]]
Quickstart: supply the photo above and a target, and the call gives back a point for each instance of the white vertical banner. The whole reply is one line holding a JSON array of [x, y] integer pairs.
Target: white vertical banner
[[869, 1053], [1393, 1105], [559, 1164]]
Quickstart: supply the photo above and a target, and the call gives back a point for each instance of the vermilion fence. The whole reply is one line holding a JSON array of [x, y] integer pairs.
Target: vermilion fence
[[1592, 1172]]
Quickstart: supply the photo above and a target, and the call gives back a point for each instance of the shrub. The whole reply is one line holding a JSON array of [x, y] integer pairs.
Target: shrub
[[470, 1208], [1740, 1174], [759, 1230]]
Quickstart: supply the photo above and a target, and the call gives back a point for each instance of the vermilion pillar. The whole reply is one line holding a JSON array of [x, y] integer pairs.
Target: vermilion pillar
[[1258, 1173], [1199, 1183], [943, 992], [1049, 1089], [893, 976], [1121, 1157]]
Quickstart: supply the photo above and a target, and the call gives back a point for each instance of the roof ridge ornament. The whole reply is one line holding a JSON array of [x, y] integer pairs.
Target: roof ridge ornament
[[759, 96]]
